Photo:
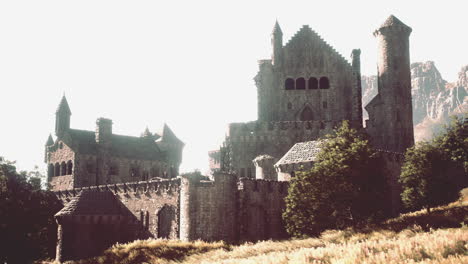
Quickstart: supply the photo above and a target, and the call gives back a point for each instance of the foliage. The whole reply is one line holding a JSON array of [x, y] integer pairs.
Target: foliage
[[27, 226], [341, 188], [434, 172], [400, 240]]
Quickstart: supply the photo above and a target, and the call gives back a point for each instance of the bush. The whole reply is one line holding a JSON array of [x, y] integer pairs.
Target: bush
[[340, 190], [27, 227], [434, 172]]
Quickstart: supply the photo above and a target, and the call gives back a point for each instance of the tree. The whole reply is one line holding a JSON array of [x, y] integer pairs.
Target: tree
[[339, 190], [434, 172], [27, 226]]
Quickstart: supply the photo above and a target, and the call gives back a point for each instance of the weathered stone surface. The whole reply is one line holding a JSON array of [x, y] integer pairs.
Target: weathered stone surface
[[434, 99]]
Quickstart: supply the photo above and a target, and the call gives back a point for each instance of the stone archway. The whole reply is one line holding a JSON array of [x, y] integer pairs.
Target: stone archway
[[306, 114], [166, 221]]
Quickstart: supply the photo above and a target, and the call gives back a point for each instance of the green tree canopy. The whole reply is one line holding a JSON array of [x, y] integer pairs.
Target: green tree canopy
[[434, 172], [27, 226], [339, 190]]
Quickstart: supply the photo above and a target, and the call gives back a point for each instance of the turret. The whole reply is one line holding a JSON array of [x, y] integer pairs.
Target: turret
[[103, 131], [50, 142], [62, 117], [395, 132], [277, 44]]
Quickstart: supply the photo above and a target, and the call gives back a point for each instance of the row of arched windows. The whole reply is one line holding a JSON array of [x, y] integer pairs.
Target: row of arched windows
[[60, 169], [313, 83]]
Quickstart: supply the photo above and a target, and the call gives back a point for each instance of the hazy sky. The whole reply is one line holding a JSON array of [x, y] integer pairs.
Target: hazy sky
[[187, 63]]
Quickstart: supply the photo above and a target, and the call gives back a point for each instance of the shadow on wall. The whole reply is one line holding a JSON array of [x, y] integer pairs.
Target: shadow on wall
[[92, 222]]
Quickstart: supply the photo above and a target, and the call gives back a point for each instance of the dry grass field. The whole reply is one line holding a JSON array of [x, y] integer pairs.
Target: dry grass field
[[418, 237]]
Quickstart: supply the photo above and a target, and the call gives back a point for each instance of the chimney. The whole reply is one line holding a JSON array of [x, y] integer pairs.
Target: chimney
[[103, 130]]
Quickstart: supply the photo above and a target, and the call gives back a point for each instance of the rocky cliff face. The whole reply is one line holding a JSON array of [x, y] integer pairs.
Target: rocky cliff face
[[434, 99]]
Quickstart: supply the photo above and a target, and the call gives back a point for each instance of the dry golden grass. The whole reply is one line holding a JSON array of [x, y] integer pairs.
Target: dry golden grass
[[418, 237], [440, 246]]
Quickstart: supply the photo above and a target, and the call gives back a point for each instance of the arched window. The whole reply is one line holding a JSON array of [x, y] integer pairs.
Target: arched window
[[289, 84], [307, 114], [300, 84], [57, 169], [322, 125], [69, 167], [63, 168], [50, 170], [313, 83], [324, 83], [147, 220]]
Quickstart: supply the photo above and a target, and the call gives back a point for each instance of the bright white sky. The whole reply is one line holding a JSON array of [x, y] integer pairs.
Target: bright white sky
[[187, 63]]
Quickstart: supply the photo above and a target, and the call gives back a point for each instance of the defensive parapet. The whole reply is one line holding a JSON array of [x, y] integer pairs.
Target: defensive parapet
[[261, 204], [208, 209], [138, 188]]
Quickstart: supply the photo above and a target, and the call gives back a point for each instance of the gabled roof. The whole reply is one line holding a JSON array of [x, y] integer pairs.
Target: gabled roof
[[168, 136], [306, 35], [63, 106], [301, 152], [90, 202]]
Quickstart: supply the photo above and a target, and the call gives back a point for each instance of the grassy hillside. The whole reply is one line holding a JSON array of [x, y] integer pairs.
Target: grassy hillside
[[418, 237]]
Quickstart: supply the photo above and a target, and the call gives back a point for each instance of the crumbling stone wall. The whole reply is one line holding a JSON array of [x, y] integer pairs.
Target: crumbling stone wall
[[145, 200]]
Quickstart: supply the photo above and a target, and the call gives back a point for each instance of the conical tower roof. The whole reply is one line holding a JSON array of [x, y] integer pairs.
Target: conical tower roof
[[277, 29], [168, 135], [393, 21], [63, 106], [50, 141]]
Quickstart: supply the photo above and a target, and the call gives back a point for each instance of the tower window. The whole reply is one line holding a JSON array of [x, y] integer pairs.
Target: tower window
[[57, 169], [63, 168], [300, 84], [249, 172], [324, 105], [324, 83], [69, 167], [313, 83], [50, 170], [289, 84]]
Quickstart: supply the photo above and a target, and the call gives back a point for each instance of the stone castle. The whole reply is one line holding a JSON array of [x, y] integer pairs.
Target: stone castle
[[119, 188]]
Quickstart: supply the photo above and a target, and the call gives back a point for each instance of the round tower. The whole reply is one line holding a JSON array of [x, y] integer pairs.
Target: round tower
[[395, 131], [265, 169]]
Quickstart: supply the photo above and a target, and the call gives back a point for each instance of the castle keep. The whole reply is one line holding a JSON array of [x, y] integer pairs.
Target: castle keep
[[120, 188]]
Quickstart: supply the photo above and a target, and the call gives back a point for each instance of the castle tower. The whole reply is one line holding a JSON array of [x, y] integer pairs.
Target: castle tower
[[277, 44], [265, 169], [103, 139], [390, 112], [62, 117]]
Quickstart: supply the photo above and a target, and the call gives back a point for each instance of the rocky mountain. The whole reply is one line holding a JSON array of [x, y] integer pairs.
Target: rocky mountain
[[434, 99]]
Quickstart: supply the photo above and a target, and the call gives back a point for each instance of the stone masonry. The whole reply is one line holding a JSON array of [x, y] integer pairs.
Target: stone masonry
[[119, 188]]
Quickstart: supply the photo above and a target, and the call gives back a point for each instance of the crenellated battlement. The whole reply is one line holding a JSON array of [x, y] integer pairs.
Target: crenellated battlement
[[261, 185], [253, 128], [140, 187]]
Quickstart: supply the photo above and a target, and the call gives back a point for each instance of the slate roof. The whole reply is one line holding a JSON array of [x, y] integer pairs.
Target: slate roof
[[63, 106], [90, 202], [84, 142], [301, 152]]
